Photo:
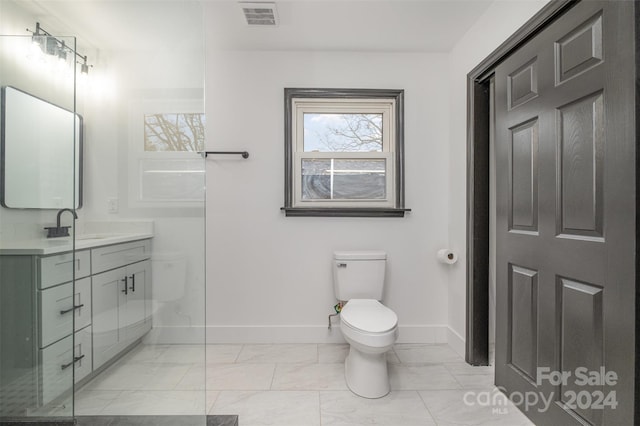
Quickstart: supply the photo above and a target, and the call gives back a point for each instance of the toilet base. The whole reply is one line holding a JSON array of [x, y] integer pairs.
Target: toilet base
[[366, 374]]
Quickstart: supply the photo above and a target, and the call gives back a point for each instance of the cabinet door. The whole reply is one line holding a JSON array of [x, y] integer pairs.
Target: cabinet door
[[134, 309], [107, 295]]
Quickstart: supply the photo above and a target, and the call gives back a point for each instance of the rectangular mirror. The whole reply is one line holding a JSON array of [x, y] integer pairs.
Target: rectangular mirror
[[41, 153]]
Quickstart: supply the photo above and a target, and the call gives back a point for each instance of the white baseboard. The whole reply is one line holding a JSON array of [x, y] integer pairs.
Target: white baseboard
[[313, 334], [175, 336], [422, 334], [456, 342], [274, 334], [283, 334]]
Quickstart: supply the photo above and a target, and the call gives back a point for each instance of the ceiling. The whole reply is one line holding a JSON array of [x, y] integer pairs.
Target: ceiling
[[377, 25], [340, 25]]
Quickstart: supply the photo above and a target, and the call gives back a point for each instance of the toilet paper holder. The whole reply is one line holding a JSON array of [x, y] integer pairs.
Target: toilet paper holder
[[447, 256]]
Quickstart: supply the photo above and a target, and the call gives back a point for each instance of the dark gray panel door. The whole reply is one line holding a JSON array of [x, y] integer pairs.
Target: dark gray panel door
[[565, 219]]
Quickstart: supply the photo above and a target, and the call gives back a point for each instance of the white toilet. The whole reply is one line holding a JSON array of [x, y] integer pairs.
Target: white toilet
[[367, 325]]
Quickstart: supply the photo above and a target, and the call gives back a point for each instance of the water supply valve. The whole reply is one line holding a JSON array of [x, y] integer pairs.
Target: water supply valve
[[338, 308]]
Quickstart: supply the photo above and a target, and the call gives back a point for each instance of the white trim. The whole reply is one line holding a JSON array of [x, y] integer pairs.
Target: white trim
[[456, 342], [274, 334], [314, 334], [293, 334], [181, 335]]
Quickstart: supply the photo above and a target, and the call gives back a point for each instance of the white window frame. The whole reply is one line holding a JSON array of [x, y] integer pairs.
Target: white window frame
[[389, 103], [344, 106]]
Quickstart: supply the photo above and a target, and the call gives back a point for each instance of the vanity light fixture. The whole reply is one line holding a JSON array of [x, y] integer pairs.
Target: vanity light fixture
[[52, 46]]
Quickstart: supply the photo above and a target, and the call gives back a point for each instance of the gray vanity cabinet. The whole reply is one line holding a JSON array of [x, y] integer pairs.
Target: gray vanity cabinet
[[53, 331]]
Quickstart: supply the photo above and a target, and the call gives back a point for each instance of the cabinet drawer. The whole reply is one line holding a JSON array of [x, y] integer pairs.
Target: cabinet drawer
[[115, 256], [57, 307], [59, 269], [56, 313], [83, 354], [56, 373]]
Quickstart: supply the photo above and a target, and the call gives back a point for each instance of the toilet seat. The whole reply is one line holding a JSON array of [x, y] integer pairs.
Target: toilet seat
[[368, 316]]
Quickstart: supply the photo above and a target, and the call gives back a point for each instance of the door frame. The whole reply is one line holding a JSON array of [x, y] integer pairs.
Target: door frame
[[478, 106]]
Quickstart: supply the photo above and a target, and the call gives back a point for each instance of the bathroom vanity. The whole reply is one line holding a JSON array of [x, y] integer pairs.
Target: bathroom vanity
[[54, 333]]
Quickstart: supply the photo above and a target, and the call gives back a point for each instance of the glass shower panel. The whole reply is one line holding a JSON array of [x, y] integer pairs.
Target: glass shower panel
[[41, 322], [145, 184]]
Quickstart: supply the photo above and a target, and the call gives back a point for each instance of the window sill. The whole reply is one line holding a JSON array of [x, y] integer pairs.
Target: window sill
[[343, 212]]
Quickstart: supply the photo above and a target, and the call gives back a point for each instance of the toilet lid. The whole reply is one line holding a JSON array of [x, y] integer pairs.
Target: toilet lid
[[368, 315]]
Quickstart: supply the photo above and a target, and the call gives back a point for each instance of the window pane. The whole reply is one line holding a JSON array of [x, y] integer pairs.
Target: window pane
[[338, 179], [342, 132], [316, 179], [174, 132], [359, 179]]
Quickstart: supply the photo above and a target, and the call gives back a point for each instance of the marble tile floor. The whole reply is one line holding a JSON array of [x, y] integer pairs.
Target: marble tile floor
[[296, 385]]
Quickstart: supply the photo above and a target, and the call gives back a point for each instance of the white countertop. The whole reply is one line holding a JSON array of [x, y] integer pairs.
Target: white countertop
[[47, 246]]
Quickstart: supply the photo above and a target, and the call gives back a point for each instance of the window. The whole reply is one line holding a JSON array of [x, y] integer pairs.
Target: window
[[165, 175], [166, 168], [344, 152]]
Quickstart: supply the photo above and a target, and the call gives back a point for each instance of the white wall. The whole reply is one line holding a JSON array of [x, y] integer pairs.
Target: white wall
[[269, 276], [501, 20]]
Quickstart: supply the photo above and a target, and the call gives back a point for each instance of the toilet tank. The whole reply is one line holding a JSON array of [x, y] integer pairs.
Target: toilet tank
[[358, 274], [169, 272]]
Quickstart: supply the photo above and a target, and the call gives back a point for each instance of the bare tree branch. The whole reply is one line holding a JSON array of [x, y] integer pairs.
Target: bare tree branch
[[174, 132], [355, 132]]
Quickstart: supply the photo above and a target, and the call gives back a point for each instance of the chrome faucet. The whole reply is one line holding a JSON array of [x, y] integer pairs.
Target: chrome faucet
[[60, 231]]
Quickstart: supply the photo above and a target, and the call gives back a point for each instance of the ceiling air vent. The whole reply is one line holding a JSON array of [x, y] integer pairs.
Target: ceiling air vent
[[260, 14]]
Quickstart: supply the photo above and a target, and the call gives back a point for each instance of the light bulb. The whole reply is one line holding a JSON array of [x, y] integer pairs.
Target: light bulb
[[37, 42], [52, 46]]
